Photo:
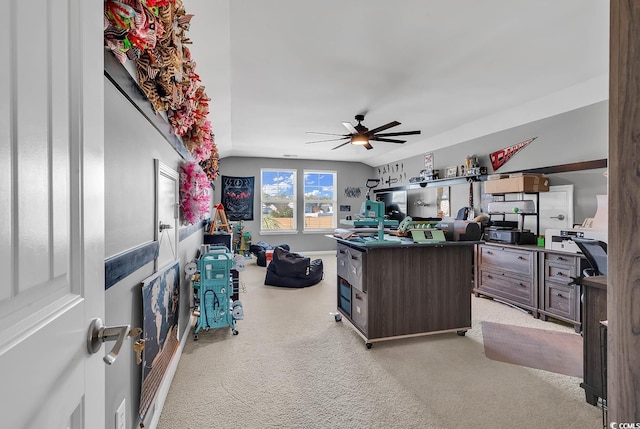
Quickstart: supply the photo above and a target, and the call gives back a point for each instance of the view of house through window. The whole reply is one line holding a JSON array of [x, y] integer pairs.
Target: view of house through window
[[278, 200], [320, 200]]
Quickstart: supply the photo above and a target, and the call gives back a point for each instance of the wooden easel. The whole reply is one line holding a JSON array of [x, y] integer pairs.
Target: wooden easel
[[220, 221]]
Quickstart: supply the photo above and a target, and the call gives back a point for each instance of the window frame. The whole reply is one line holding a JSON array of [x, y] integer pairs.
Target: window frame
[[264, 201], [334, 201]]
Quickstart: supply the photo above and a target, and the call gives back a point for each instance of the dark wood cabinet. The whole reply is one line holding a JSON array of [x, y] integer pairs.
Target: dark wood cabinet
[[509, 274], [395, 291], [533, 278], [594, 312], [560, 298]]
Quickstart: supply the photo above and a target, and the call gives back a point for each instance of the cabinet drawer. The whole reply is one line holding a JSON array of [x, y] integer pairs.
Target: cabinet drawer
[[503, 258], [345, 305], [342, 261], [359, 309], [569, 261], [560, 300], [356, 266], [350, 264], [558, 272], [344, 289], [515, 288]]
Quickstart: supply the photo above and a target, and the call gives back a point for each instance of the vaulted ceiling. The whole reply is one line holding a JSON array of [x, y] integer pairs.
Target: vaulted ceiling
[[454, 69]]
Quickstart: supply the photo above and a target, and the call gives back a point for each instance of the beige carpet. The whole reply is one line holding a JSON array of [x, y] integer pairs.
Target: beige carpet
[[559, 352], [293, 366]]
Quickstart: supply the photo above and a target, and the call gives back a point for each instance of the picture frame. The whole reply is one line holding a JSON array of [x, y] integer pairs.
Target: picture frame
[[451, 172], [428, 162]]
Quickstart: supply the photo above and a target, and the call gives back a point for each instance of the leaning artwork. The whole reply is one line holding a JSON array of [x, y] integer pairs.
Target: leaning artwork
[[160, 298]]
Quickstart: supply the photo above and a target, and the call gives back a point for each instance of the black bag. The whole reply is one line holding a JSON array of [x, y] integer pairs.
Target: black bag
[[289, 264], [260, 251], [293, 270]]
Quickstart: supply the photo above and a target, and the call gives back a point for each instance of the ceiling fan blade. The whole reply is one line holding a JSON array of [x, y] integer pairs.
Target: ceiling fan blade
[[383, 139], [326, 134], [368, 146], [339, 146], [399, 133], [383, 127], [330, 140], [350, 127]]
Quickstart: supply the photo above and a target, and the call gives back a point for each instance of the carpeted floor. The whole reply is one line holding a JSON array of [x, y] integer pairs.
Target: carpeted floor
[[293, 366], [558, 352]]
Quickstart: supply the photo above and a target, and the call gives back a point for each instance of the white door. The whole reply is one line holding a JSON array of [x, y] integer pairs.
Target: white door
[[51, 213], [556, 209], [167, 215]]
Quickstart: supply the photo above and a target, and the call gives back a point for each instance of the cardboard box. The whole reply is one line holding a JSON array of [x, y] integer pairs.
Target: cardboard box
[[517, 184]]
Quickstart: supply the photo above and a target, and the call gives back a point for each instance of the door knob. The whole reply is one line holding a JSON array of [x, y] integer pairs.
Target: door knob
[[98, 334], [559, 217]]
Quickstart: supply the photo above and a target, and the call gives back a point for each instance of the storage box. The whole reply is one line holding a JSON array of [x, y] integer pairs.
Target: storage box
[[517, 184]]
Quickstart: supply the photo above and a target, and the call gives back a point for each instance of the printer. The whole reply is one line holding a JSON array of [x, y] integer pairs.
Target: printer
[[561, 239], [594, 228]]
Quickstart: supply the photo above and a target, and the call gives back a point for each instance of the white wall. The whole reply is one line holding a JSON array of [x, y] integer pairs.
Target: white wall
[[131, 145], [575, 136], [350, 174]]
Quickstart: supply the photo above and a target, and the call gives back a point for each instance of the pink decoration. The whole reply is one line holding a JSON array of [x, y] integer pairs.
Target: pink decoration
[[194, 193]]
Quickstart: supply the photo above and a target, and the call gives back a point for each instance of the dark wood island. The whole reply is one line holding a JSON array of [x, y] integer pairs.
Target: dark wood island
[[406, 289]]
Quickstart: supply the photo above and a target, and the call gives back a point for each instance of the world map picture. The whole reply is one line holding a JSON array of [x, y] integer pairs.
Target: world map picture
[[160, 298]]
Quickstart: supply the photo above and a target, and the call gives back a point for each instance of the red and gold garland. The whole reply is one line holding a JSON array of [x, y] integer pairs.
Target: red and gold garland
[[153, 34]]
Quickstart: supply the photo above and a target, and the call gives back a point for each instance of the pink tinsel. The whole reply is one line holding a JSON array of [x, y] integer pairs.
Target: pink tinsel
[[194, 193]]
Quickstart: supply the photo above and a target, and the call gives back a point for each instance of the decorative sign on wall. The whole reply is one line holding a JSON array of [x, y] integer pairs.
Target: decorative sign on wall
[[237, 197], [352, 192], [499, 158]]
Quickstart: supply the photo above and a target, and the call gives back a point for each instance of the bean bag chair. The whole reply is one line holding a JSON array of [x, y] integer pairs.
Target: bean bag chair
[[288, 269], [260, 251]]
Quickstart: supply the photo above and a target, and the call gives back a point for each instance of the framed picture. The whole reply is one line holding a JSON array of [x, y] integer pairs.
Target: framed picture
[[160, 310], [451, 172], [428, 162], [442, 201]]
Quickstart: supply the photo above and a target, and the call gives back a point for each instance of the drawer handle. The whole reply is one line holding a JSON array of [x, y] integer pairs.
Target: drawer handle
[[522, 284], [358, 297], [560, 258], [489, 276], [489, 252], [559, 295], [522, 258], [561, 274], [342, 251]]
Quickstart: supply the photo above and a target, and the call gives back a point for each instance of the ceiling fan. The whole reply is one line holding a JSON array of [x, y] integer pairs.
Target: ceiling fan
[[361, 135]]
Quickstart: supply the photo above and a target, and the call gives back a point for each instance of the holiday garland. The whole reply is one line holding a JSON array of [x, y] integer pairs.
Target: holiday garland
[[153, 34]]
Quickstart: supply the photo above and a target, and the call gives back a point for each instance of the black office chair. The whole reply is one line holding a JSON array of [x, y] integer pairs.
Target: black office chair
[[596, 253]]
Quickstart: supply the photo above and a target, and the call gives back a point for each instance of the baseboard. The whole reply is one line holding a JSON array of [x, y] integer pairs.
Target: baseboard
[[163, 390], [317, 252]]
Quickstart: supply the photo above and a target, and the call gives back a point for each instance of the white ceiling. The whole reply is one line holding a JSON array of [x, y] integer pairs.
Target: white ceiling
[[454, 69]]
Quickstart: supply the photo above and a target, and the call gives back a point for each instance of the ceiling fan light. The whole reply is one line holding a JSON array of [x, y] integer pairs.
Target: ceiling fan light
[[359, 139]]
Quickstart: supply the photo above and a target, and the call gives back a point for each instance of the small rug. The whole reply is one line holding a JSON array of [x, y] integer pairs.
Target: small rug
[[553, 351]]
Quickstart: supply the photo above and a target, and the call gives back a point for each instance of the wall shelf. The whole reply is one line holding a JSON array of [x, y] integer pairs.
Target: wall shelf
[[563, 168], [449, 181]]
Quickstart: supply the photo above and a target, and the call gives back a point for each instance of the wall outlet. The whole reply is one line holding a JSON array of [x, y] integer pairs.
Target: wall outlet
[[121, 416]]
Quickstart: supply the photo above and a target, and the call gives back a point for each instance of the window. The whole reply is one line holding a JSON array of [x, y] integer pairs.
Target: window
[[320, 200], [278, 200]]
